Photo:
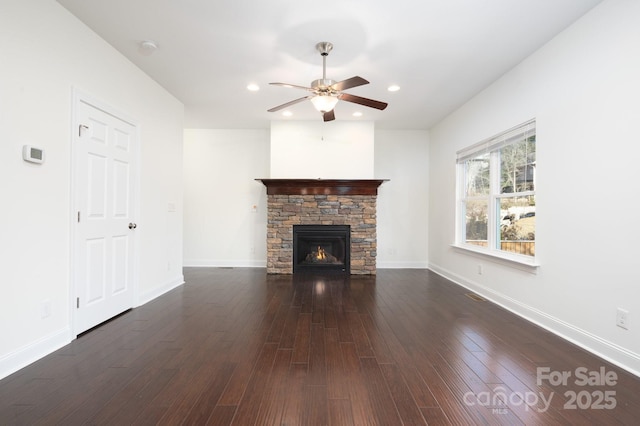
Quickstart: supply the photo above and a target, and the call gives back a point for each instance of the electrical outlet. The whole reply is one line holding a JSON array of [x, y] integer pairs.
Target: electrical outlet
[[622, 318]]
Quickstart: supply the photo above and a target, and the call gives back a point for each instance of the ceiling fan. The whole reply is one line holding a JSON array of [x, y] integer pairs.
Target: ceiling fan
[[325, 93]]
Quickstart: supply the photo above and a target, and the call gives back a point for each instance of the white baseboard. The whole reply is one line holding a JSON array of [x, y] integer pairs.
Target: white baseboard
[[623, 358], [14, 361], [148, 296], [213, 263], [400, 265]]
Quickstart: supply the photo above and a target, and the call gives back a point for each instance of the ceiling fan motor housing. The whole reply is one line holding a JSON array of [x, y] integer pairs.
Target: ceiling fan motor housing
[[322, 85]]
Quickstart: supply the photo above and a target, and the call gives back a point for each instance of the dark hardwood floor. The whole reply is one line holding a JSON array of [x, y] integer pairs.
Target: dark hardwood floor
[[238, 346]]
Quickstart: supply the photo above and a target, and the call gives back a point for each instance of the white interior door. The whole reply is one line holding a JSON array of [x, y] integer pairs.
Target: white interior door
[[105, 154]]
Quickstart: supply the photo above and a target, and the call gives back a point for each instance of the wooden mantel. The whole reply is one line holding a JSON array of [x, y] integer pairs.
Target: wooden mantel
[[322, 186]]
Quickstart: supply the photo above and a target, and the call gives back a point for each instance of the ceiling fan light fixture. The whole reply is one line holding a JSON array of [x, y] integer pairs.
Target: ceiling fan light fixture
[[324, 103]]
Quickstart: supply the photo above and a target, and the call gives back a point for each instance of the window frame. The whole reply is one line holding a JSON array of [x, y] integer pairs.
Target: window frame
[[492, 147]]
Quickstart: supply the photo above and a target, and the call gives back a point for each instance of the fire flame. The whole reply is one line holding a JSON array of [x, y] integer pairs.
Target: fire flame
[[321, 254]]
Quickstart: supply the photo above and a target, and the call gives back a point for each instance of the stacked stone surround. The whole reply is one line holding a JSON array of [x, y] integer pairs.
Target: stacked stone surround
[[284, 211]]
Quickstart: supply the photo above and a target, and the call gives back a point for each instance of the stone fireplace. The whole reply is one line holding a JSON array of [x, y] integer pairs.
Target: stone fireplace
[[318, 202]]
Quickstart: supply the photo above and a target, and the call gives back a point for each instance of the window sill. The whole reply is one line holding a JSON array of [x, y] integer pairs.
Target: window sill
[[524, 263]]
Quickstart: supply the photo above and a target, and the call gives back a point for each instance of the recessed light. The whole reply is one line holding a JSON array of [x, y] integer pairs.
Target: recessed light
[[253, 87], [393, 88], [287, 113], [357, 114]]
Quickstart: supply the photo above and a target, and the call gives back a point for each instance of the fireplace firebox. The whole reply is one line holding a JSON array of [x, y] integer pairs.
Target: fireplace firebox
[[321, 248]]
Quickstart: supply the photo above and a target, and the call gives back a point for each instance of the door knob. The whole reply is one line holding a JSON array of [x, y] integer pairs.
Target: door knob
[[132, 226]]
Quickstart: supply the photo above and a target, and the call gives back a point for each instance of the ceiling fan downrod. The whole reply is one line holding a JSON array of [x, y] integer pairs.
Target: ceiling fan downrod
[[324, 47]]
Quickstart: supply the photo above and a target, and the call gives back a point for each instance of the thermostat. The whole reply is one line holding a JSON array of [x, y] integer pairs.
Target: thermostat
[[33, 154]]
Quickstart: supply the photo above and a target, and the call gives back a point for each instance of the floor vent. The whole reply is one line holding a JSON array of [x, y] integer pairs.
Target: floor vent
[[476, 297]]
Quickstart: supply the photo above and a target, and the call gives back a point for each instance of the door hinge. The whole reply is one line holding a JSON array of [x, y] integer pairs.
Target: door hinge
[[81, 128], [78, 216], [78, 302]]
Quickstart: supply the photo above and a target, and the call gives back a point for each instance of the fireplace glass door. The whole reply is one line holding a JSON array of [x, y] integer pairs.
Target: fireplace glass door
[[321, 248]]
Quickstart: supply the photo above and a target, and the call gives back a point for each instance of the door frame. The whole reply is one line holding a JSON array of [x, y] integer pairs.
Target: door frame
[[80, 97]]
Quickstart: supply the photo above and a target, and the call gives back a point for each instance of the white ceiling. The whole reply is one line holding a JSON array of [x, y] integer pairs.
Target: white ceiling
[[440, 52]]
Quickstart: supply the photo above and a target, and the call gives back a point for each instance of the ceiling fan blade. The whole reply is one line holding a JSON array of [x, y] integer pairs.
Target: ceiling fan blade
[[295, 86], [329, 116], [349, 83], [279, 107], [362, 101]]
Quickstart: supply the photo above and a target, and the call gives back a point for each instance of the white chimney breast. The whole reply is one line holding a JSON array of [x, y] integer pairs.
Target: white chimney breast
[[331, 150]]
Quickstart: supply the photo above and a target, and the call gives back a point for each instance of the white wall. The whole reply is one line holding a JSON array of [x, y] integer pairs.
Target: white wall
[[331, 150], [402, 204], [221, 225], [222, 164], [45, 52], [583, 89]]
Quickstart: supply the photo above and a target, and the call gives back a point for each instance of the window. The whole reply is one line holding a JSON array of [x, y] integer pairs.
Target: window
[[496, 207]]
